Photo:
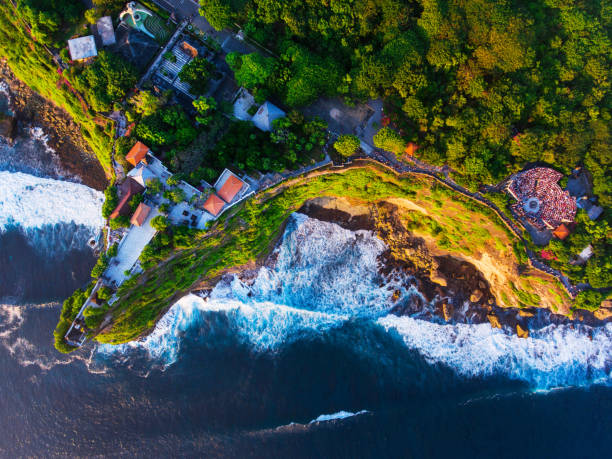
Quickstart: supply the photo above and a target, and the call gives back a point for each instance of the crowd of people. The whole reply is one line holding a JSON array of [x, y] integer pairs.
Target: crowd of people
[[540, 198]]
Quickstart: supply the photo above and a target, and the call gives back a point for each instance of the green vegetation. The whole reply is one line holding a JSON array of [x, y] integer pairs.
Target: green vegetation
[[589, 300], [597, 271], [51, 22], [178, 257], [146, 103], [160, 223], [205, 106], [197, 73], [347, 145], [105, 81], [168, 126], [389, 140], [70, 309], [460, 78], [110, 201]]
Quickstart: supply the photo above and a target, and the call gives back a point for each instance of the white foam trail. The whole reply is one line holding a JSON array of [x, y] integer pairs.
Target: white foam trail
[[263, 326], [338, 415], [32, 202], [24, 351], [554, 356]]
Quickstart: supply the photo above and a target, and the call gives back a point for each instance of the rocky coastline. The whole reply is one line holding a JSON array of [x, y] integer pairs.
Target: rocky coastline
[[453, 290], [29, 109]]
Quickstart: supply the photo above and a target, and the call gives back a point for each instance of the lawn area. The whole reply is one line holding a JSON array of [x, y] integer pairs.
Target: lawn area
[[244, 235]]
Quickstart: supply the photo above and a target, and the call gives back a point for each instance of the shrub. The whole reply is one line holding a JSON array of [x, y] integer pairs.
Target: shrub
[[160, 223], [347, 145], [110, 201]]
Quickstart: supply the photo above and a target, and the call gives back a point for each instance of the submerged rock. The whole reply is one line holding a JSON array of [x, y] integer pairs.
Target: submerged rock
[[521, 332], [447, 311]]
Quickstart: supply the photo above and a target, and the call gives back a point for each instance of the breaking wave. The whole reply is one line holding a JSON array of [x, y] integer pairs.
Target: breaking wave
[[324, 277], [336, 416], [32, 202], [554, 356]]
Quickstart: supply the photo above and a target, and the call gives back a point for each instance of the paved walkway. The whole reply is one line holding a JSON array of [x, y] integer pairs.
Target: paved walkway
[[391, 162], [130, 249]]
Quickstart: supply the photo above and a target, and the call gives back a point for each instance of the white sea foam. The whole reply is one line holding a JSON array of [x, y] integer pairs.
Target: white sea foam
[[325, 276], [554, 356], [32, 202], [264, 326], [338, 415]]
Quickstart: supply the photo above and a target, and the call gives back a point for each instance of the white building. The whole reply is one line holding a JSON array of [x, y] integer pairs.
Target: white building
[[266, 114], [82, 48]]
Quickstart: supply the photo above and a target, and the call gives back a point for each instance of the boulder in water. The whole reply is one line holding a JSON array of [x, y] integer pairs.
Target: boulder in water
[[522, 332], [447, 311], [476, 296], [526, 313], [494, 320]]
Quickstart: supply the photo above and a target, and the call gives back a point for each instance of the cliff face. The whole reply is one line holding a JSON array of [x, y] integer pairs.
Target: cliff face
[[477, 281]]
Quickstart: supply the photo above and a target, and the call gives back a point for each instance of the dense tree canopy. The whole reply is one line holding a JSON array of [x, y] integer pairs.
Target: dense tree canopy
[[47, 18], [483, 86], [197, 73], [106, 80], [166, 127]]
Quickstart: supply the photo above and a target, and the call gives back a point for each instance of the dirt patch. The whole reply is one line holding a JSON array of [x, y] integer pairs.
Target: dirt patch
[[64, 134]]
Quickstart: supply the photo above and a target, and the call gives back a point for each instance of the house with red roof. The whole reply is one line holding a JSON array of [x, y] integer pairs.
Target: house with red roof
[[140, 215], [214, 205], [128, 189], [137, 153], [230, 187]]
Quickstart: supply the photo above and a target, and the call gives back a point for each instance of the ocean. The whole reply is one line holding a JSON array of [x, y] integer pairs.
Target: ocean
[[304, 360]]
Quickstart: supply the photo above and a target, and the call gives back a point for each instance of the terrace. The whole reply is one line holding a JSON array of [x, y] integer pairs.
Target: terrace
[[130, 249], [540, 199], [183, 51]]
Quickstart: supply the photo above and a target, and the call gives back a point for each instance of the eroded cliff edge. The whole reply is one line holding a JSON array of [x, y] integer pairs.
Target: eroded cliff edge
[[457, 283]]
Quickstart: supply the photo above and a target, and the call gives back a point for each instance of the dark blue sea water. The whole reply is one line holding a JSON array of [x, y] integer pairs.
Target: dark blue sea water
[[244, 373]]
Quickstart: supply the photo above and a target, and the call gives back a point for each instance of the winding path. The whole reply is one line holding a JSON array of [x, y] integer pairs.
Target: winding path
[[400, 168]]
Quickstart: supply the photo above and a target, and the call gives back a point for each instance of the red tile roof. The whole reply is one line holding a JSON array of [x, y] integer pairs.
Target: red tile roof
[[214, 204], [140, 215], [561, 231], [230, 188], [137, 153], [411, 148], [128, 189]]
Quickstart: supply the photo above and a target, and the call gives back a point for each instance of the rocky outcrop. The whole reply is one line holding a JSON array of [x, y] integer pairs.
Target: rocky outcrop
[[494, 321], [7, 127], [65, 137], [605, 311], [462, 288], [522, 332]]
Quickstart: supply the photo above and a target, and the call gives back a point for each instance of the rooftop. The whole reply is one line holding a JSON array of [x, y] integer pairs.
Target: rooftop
[[267, 113], [214, 204], [142, 174], [561, 231], [106, 31], [540, 198], [229, 185], [137, 153], [128, 188], [140, 215], [82, 47]]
